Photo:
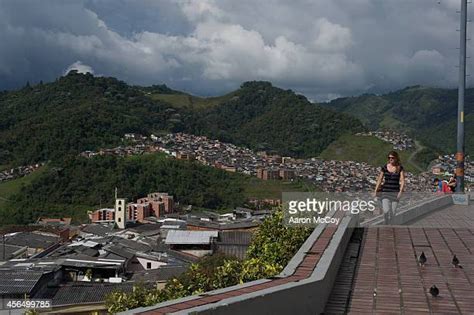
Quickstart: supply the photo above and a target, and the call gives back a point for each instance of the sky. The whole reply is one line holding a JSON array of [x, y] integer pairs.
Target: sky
[[320, 48]]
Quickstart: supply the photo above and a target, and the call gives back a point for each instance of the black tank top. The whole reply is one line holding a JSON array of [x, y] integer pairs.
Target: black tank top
[[391, 180]]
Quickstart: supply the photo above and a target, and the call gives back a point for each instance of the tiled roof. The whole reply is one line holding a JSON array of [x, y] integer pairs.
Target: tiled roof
[[389, 278]]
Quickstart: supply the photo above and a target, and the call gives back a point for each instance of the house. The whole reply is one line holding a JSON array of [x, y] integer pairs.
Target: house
[[54, 221], [103, 215], [234, 243], [196, 243]]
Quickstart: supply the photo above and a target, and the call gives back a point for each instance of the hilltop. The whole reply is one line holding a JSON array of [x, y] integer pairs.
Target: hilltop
[[81, 112], [263, 117], [75, 113]]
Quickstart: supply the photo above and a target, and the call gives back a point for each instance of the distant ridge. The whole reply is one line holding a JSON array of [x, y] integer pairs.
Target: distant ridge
[[428, 113]]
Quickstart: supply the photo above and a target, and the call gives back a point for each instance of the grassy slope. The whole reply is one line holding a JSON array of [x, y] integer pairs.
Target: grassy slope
[[190, 101], [363, 149], [262, 189], [12, 187]]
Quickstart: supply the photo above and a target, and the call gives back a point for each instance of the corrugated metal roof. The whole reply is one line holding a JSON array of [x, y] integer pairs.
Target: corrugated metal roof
[[18, 282], [189, 237], [77, 293], [235, 237]]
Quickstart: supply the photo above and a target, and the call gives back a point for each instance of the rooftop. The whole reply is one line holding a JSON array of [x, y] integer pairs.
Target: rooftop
[[19, 281], [86, 292], [30, 239], [175, 237]]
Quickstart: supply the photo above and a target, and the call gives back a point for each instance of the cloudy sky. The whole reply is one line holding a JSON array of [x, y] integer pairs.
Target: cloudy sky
[[320, 48]]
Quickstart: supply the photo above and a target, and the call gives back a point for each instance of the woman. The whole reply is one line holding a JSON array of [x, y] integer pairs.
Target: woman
[[393, 183]]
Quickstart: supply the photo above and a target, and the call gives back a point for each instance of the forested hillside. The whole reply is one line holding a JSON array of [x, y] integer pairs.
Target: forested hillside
[[429, 114], [81, 184]]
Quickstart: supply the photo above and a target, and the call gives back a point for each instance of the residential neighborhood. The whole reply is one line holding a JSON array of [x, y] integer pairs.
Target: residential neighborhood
[[399, 141], [330, 175], [17, 172], [54, 258], [154, 238]]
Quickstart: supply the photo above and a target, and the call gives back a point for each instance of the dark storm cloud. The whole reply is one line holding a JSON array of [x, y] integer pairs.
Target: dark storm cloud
[[320, 48]]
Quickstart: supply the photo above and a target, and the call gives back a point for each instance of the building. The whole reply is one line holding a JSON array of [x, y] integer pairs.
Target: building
[[35, 242], [54, 221], [138, 211], [287, 174], [267, 174], [159, 203], [184, 156], [120, 213], [196, 243], [156, 204], [234, 243], [103, 215]]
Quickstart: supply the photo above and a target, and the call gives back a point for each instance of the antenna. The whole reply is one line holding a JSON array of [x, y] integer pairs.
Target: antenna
[[115, 193]]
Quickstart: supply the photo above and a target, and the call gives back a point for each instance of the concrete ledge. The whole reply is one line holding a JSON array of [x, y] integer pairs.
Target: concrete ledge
[[404, 216], [299, 256]]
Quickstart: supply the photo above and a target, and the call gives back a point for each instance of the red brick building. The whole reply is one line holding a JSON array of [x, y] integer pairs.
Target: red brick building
[[154, 205], [102, 215], [266, 174]]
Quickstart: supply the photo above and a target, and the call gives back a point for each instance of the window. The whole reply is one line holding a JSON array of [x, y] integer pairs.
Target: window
[[120, 219], [148, 265]]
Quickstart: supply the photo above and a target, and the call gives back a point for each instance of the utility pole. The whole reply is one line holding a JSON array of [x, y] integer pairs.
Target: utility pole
[[461, 89]]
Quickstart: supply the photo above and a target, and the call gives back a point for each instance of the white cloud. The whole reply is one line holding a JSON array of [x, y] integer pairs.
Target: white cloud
[[316, 47], [79, 67]]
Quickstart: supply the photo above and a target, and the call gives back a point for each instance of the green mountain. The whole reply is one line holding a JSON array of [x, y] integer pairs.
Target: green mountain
[[76, 113], [264, 117], [429, 114], [56, 121], [81, 112]]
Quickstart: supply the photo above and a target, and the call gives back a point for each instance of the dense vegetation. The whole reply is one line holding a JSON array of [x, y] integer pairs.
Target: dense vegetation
[[81, 112], [272, 247], [264, 117], [81, 184], [428, 113], [76, 113]]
